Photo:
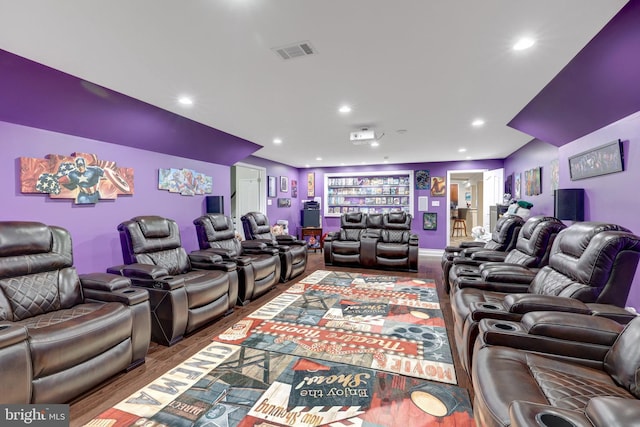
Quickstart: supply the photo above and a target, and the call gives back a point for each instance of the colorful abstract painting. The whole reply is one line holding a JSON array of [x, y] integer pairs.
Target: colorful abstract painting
[[81, 176], [186, 182]]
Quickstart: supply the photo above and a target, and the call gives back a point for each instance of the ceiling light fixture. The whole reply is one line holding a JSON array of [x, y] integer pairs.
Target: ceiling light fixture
[[277, 141], [345, 109], [318, 158], [461, 150], [524, 43], [375, 144], [477, 123], [185, 100]]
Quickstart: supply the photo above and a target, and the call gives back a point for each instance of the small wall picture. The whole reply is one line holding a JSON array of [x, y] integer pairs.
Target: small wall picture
[[517, 183], [311, 184], [294, 188], [271, 186], [429, 221], [422, 180], [284, 203], [284, 184], [438, 186]]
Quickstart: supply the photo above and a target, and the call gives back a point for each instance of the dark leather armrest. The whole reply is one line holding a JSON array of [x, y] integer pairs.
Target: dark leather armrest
[[11, 334], [269, 243], [148, 276], [472, 244], [467, 252], [413, 240], [205, 256], [479, 283], [108, 287], [287, 239], [572, 326], [331, 236], [525, 303], [222, 265], [491, 310], [253, 245], [508, 273], [606, 411], [486, 255], [612, 312], [225, 254]]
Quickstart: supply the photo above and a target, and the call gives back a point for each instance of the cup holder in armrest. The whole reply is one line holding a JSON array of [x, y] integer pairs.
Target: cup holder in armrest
[[489, 306], [128, 291], [546, 419], [2, 327], [504, 326]]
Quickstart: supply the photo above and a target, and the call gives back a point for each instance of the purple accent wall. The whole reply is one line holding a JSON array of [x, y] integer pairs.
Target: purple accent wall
[[275, 213], [609, 198], [41, 97], [96, 242], [598, 87], [435, 239], [535, 154]]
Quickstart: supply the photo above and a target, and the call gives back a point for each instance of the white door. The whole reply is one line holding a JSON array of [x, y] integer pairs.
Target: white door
[[250, 193], [493, 190]]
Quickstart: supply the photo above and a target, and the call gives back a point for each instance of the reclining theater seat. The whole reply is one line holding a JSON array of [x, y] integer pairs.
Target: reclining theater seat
[[590, 262], [293, 252], [503, 239], [186, 291], [517, 388], [62, 334], [532, 250], [258, 266], [397, 247], [343, 247]]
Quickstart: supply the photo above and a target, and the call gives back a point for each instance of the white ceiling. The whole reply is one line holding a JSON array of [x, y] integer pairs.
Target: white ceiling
[[429, 67]]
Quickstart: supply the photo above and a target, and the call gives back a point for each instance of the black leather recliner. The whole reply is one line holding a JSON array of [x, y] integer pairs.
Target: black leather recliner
[[532, 250], [186, 291], [62, 334], [257, 264], [590, 262], [343, 247], [503, 239], [518, 388], [293, 252]]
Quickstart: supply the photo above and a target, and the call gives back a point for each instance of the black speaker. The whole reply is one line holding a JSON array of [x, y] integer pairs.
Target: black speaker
[[569, 204], [215, 204], [310, 217]]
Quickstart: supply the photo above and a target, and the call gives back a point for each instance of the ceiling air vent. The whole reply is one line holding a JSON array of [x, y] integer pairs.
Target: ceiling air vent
[[295, 50]]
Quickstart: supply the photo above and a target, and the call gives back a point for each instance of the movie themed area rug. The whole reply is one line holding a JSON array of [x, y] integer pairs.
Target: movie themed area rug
[[387, 323], [227, 385]]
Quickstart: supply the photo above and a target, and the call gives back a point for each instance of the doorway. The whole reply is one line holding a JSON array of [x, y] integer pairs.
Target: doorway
[[465, 198], [248, 192]]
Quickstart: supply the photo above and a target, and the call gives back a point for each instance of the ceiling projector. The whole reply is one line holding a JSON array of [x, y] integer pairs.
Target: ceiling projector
[[362, 136]]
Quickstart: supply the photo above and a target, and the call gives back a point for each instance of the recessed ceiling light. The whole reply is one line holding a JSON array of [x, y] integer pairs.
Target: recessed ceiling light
[[477, 123], [375, 143], [185, 100], [277, 141], [318, 158], [524, 43], [306, 166], [461, 150], [345, 109], [468, 157]]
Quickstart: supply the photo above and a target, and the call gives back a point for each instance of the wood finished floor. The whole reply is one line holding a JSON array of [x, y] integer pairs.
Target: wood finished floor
[[160, 359]]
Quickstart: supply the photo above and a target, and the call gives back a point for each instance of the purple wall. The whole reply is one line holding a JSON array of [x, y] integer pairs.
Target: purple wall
[[435, 239], [93, 227], [534, 154], [610, 198]]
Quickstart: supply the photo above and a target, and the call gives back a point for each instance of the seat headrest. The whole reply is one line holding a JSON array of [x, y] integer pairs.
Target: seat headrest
[[374, 220], [24, 238], [153, 226], [574, 240], [220, 222], [397, 217]]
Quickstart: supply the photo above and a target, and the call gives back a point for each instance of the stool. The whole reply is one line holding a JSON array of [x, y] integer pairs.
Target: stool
[[459, 227]]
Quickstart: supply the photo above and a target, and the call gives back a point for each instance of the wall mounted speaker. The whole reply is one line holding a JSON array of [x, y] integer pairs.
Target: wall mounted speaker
[[569, 204], [215, 204]]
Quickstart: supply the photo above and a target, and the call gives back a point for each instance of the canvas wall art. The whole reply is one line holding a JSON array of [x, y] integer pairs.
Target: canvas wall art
[[81, 176], [186, 182], [438, 186]]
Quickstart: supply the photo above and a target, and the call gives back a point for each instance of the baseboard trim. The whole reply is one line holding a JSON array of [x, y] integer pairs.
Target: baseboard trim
[[430, 252]]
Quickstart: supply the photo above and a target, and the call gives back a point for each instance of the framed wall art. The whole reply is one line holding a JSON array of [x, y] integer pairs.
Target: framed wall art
[[429, 221], [271, 186], [284, 184], [311, 184], [284, 203], [601, 160], [294, 188], [438, 186]]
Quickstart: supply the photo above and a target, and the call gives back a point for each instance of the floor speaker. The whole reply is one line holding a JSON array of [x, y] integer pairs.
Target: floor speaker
[[310, 217], [215, 204], [569, 204]]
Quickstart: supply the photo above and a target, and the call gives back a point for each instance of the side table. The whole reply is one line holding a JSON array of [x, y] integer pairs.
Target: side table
[[316, 233]]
